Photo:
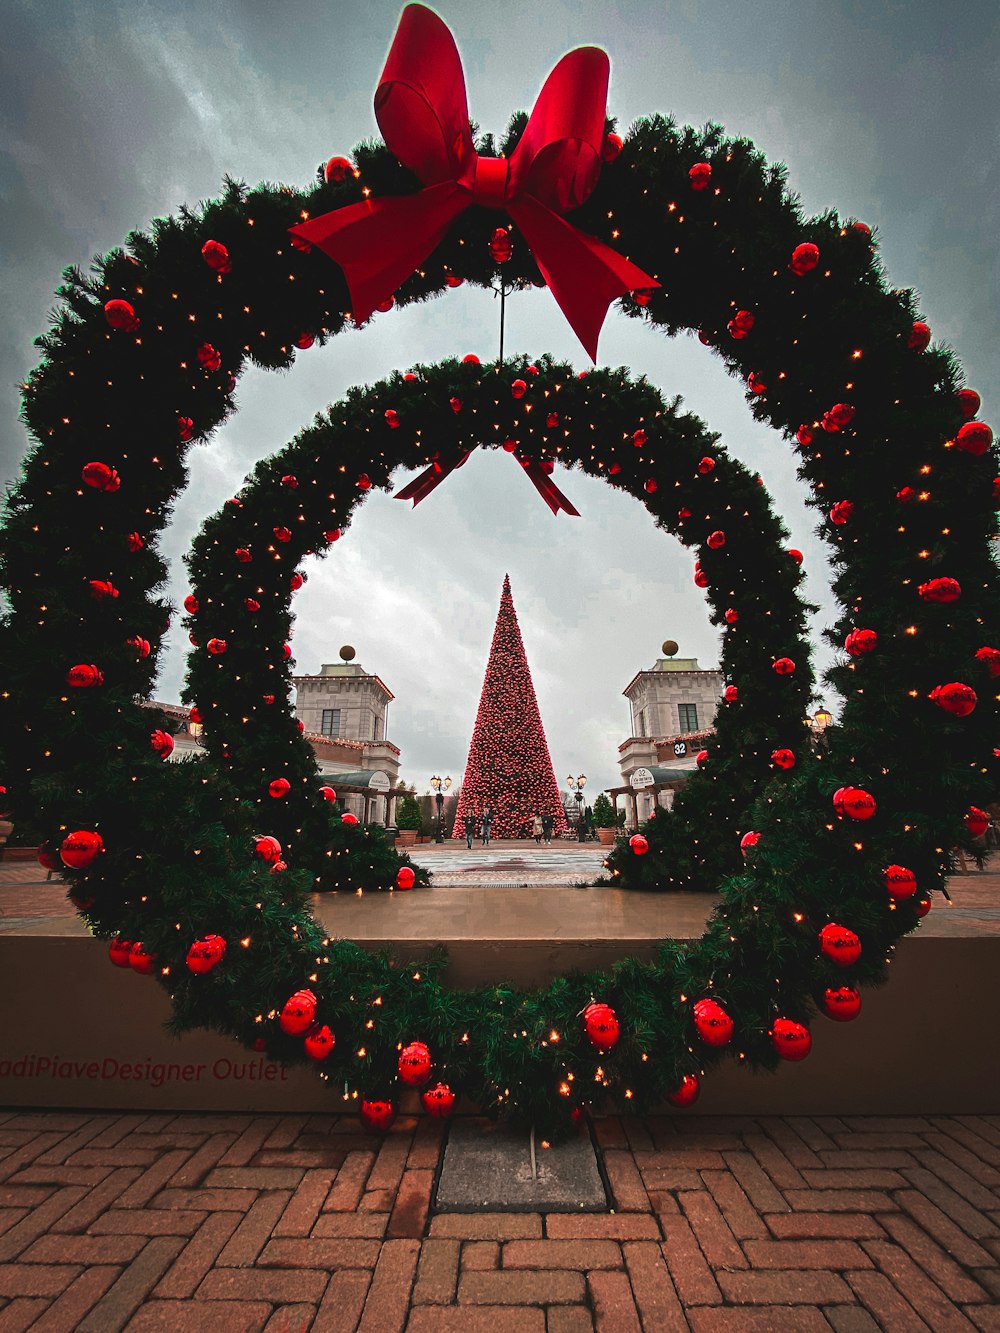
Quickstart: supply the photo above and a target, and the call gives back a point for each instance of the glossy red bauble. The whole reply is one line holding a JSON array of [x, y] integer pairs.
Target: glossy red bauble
[[217, 647], [279, 787], [699, 175], [216, 256], [784, 666], [731, 693], [639, 844], [741, 324], [900, 881], [364, 482], [185, 429], [860, 642], [415, 1064], [141, 960], [101, 590], [100, 476], [348, 818], [716, 540], [688, 1092], [121, 316], [80, 848], [748, 842], [783, 758], [841, 512], [267, 848], [990, 658], [841, 1003], [922, 905], [920, 337], [209, 357], [205, 954], [731, 616], [191, 604], [940, 590], [796, 555], [405, 877], [337, 169], [706, 466], [611, 147], [377, 1115], [84, 676], [712, 1023], [439, 1101], [243, 555], [855, 803], [195, 716], [600, 1022], [791, 1040], [804, 258], [120, 952], [839, 416], [501, 246], [319, 1042], [805, 435], [282, 534], [135, 541], [162, 742], [701, 758], [298, 1013], [976, 821], [839, 944], [639, 438], [955, 698], [700, 577], [975, 437]]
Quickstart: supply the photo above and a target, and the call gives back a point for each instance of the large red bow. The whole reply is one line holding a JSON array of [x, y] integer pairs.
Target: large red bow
[[420, 487], [421, 108]]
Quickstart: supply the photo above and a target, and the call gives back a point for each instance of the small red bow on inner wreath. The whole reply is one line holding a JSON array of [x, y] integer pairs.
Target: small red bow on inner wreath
[[422, 111]]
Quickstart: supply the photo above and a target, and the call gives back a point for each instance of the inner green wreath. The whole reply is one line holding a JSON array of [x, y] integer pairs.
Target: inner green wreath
[[143, 357]]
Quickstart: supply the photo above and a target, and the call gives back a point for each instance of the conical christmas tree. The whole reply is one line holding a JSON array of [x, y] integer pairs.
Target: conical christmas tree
[[509, 769]]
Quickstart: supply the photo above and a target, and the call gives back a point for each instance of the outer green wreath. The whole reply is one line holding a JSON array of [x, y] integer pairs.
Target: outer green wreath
[[829, 355]]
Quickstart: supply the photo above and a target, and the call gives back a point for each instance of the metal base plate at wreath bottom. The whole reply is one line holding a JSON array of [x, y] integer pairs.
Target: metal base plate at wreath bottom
[[487, 1168]]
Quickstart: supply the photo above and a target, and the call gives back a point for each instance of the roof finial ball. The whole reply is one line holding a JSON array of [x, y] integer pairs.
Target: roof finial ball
[[669, 648], [347, 653]]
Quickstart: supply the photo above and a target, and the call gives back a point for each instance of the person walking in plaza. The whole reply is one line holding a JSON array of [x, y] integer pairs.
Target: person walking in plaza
[[469, 824], [537, 828], [487, 825], [547, 825]]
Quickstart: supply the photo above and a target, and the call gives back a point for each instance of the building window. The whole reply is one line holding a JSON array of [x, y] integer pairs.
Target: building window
[[375, 727], [640, 723], [688, 715], [330, 726]]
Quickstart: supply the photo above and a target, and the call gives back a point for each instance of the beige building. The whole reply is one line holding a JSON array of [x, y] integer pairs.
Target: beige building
[[672, 709]]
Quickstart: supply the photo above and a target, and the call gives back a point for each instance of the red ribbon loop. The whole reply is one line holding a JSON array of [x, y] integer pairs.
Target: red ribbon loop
[[431, 478], [423, 114]]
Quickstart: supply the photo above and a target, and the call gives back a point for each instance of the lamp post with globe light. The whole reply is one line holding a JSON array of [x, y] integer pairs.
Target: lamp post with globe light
[[576, 785], [437, 783]]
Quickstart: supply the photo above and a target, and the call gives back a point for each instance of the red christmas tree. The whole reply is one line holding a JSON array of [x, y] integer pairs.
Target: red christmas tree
[[509, 769]]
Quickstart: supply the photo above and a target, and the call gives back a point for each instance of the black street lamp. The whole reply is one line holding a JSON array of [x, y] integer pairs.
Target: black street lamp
[[577, 785], [437, 783]]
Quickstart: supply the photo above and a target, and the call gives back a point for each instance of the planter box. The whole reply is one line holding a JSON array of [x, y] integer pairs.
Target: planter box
[[406, 837], [606, 836]]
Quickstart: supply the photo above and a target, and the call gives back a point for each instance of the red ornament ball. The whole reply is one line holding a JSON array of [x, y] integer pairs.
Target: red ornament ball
[[48, 857], [333, 535], [267, 848], [439, 1101], [783, 758], [839, 416], [701, 758], [940, 590], [80, 848], [216, 647], [611, 147], [279, 787], [292, 482], [975, 437], [141, 960], [756, 382], [706, 466], [392, 418], [501, 246], [191, 604], [741, 324], [716, 540], [162, 742], [687, 1093], [415, 1064], [121, 316], [298, 1013], [120, 952], [405, 877], [328, 793], [700, 577], [305, 340], [319, 1042], [976, 821], [216, 256], [286, 651], [805, 435], [243, 555], [101, 477], [784, 666], [839, 944], [841, 512], [841, 1003], [731, 693], [969, 402], [955, 698], [922, 905], [296, 581], [185, 428], [205, 954], [600, 1022], [377, 1115], [906, 494], [791, 1040], [364, 482], [712, 1023], [919, 337], [900, 881], [101, 590], [84, 676], [650, 485], [639, 438], [337, 169], [639, 844], [282, 534], [796, 555], [141, 646], [699, 175], [519, 388], [209, 357], [861, 641], [804, 258], [456, 405], [135, 541], [857, 803], [348, 818], [748, 842], [731, 616]]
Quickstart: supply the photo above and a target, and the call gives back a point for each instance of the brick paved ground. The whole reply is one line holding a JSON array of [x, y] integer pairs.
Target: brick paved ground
[[230, 1222]]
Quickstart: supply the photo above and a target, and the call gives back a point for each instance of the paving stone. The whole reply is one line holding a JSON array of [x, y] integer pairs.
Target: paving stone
[[480, 1254], [254, 1231], [614, 1306], [652, 1287], [575, 1254], [127, 1293], [181, 1280], [303, 1208], [850, 1319], [77, 1300], [888, 1306], [309, 1252], [254, 1178], [277, 1285], [762, 1319], [387, 1303], [35, 1279], [21, 1313], [437, 1272], [350, 1182], [197, 1316], [290, 1319], [412, 1204], [521, 1287], [484, 1319], [569, 1319], [801, 1287], [350, 1224], [488, 1226], [718, 1243], [340, 1309], [487, 1166]]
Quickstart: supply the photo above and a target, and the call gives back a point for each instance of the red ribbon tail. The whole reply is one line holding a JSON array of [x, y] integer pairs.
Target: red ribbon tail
[[420, 487], [583, 274], [379, 243], [547, 488]]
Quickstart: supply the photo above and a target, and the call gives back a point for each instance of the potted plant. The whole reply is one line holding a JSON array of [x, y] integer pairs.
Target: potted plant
[[604, 820], [408, 821]]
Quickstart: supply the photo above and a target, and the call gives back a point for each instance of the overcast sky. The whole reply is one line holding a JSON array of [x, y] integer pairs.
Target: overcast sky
[[114, 113]]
